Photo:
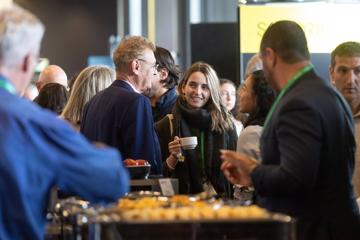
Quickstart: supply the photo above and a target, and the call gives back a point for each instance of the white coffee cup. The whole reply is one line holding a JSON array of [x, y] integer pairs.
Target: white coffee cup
[[188, 142]]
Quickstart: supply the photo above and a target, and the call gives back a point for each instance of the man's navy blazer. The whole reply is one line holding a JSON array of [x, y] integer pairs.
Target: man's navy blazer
[[122, 118]]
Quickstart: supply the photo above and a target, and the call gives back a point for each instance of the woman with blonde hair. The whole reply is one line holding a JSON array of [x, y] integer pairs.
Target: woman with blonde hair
[[88, 83], [228, 97], [197, 112]]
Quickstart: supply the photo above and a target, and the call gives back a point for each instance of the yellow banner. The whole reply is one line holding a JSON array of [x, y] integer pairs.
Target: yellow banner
[[325, 24]]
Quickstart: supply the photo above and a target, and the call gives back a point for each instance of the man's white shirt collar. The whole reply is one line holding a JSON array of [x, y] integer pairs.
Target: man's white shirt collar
[[132, 86]]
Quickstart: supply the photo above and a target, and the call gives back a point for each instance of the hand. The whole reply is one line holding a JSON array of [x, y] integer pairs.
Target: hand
[[237, 167], [175, 147]]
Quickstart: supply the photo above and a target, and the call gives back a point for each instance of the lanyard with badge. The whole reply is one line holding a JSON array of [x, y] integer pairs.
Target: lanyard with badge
[[6, 85], [284, 90]]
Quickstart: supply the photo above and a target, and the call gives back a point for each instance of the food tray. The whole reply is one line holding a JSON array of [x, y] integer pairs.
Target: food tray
[[279, 228], [109, 224]]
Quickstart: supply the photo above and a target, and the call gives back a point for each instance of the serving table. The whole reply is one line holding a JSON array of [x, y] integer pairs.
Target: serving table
[[161, 185], [108, 224]]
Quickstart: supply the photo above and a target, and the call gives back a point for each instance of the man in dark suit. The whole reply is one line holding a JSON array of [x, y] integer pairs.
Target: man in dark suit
[[344, 73], [307, 144], [121, 116]]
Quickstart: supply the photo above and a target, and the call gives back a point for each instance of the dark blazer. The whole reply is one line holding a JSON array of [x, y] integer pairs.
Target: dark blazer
[[307, 152], [120, 117]]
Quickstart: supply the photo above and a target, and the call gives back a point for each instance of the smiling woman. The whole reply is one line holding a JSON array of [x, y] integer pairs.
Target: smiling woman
[[197, 112], [196, 90]]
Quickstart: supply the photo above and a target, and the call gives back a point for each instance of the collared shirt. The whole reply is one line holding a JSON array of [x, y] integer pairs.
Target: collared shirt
[[119, 117], [39, 151], [356, 175]]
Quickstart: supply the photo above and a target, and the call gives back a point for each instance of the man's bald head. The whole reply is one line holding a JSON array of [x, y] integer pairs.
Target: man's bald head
[[52, 74]]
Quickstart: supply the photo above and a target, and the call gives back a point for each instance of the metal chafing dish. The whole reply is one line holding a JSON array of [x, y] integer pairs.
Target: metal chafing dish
[[111, 227], [95, 223]]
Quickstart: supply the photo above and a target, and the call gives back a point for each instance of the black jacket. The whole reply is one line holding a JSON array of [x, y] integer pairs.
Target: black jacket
[[307, 151], [191, 173]]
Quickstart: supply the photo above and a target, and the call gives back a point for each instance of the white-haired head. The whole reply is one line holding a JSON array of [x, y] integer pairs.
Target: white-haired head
[[20, 33], [20, 38], [254, 64]]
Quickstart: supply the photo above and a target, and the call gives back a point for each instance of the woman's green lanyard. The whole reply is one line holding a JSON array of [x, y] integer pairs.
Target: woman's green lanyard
[[202, 152], [284, 90], [7, 86]]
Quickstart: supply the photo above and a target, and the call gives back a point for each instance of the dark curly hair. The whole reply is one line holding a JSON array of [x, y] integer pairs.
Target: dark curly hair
[[53, 96], [165, 60], [264, 95]]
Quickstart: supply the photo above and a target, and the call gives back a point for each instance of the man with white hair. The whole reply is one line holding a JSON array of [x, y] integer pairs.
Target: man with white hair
[[39, 151], [120, 116], [52, 74]]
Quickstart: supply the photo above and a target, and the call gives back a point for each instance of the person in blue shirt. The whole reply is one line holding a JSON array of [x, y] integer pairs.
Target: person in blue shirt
[[39, 151], [120, 115]]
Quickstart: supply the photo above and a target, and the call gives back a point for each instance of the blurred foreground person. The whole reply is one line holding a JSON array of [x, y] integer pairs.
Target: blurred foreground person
[[307, 144], [38, 151]]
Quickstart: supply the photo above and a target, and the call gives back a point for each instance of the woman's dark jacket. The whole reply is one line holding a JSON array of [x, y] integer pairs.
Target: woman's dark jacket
[[189, 122]]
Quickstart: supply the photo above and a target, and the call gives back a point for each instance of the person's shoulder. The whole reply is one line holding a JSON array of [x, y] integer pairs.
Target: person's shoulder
[[251, 130], [28, 113], [123, 90], [138, 99], [313, 82], [310, 88], [164, 121]]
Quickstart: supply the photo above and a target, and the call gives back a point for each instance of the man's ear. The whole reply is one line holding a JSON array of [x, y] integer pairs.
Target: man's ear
[[135, 66], [271, 56], [27, 64], [38, 85], [331, 73], [164, 73]]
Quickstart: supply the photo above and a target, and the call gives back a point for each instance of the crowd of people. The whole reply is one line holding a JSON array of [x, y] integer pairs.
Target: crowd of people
[[295, 153]]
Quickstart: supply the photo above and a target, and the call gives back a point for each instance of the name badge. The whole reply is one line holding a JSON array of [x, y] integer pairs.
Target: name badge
[[166, 187]]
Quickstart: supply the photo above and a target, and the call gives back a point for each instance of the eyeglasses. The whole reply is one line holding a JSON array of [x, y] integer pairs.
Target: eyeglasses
[[155, 66], [228, 94]]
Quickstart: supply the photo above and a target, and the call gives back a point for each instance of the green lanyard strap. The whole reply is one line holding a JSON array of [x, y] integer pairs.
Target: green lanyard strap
[[202, 151], [290, 83], [7, 86]]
